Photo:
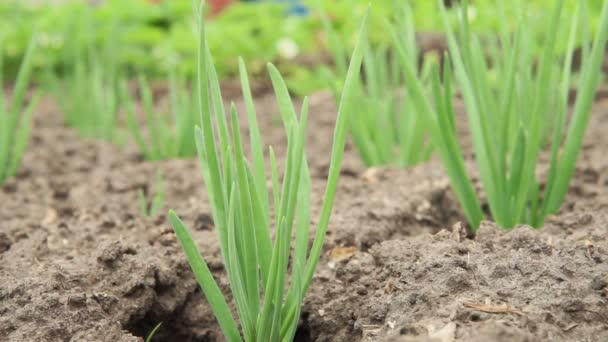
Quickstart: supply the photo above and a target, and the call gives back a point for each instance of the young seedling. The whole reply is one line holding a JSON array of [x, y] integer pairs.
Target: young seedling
[[168, 136], [512, 119], [267, 300], [384, 126], [15, 120], [151, 207], [153, 332]]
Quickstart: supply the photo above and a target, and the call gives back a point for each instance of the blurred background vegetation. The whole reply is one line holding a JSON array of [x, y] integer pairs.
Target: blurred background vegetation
[[158, 37]]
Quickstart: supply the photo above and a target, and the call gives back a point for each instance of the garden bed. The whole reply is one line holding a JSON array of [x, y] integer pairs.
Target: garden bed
[[78, 262]]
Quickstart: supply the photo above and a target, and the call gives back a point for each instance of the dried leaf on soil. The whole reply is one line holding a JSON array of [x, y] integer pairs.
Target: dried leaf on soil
[[491, 308]]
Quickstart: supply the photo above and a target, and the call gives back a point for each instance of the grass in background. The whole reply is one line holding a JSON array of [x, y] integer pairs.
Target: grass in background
[[15, 119], [167, 135], [158, 36], [89, 98], [384, 125], [87, 88], [268, 302]]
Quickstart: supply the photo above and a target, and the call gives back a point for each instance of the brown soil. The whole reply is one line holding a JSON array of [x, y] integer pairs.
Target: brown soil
[[79, 263]]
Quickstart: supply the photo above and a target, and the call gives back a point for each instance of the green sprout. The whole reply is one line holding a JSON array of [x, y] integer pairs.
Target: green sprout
[[166, 138], [384, 126], [151, 207], [513, 119], [15, 120], [257, 267], [153, 332]]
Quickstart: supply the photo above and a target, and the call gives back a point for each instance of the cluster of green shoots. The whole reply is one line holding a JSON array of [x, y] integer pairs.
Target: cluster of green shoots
[[384, 126], [100, 101], [151, 205], [169, 135], [90, 76], [514, 112], [517, 105], [14, 118], [100, 96], [268, 302], [93, 104]]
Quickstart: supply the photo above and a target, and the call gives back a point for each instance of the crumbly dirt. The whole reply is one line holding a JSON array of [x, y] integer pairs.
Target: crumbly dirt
[[79, 263]]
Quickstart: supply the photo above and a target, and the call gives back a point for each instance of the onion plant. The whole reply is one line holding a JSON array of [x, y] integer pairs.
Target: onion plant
[[90, 75], [168, 136], [384, 126], [513, 119], [94, 101], [148, 205], [267, 300], [15, 120]]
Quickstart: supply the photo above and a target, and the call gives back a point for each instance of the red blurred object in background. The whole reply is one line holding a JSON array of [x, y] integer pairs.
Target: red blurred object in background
[[218, 5]]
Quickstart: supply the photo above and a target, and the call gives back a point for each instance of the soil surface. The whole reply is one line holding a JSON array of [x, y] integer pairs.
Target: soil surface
[[78, 262]]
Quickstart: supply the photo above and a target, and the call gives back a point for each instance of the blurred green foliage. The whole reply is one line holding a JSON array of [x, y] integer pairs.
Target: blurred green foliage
[[150, 37], [157, 36]]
